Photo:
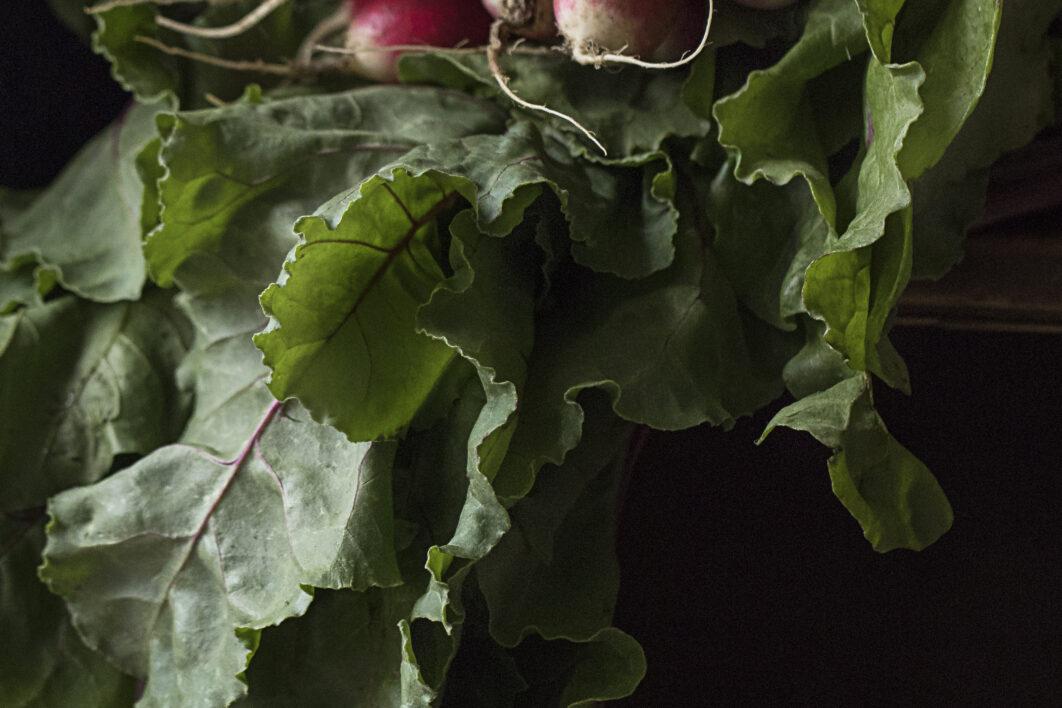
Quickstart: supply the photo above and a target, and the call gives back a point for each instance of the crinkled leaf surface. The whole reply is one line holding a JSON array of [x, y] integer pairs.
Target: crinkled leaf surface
[[343, 338], [236, 179], [22, 280], [556, 574], [770, 123], [854, 288], [755, 238], [86, 225], [653, 105], [956, 57], [236, 172], [161, 563], [374, 248], [43, 662], [153, 75], [150, 75], [83, 382], [622, 219], [879, 21], [673, 350]]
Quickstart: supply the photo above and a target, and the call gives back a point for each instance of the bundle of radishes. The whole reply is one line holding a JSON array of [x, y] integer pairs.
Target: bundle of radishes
[[592, 30]]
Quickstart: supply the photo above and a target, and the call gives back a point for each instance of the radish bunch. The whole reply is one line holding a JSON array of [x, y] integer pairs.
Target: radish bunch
[[595, 31], [651, 31], [375, 25]]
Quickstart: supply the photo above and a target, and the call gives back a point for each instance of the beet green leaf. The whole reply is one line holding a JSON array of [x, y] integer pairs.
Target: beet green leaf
[[344, 339], [168, 546], [86, 226], [654, 109], [43, 662], [891, 494], [90, 382]]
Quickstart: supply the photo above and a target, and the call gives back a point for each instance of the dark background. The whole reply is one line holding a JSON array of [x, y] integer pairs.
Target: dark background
[[744, 579]]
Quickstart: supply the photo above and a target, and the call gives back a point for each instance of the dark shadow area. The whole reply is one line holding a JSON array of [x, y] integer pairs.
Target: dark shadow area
[[55, 94], [749, 584]]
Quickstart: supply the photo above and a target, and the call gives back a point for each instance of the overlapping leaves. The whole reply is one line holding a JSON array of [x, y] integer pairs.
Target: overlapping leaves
[[471, 313], [86, 228], [854, 245]]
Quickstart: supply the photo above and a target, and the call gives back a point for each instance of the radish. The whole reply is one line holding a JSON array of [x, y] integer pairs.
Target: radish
[[528, 18], [632, 31], [378, 24], [597, 32]]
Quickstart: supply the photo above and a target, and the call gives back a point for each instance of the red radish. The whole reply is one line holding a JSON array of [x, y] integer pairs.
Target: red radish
[[529, 18], [652, 31], [375, 24]]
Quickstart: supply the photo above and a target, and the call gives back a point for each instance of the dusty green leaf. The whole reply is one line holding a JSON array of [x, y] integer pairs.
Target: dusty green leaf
[[174, 529], [43, 662], [879, 22], [556, 573], [621, 218], [855, 285], [756, 236], [610, 667], [346, 650], [88, 382], [654, 109], [238, 172], [1017, 103], [86, 225], [154, 75], [673, 350]]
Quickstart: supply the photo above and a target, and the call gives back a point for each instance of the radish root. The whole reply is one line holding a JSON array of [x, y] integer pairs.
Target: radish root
[[103, 7], [256, 65], [493, 51], [333, 24], [251, 19], [592, 56]]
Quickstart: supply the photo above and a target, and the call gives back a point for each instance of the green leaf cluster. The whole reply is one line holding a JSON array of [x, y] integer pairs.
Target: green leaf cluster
[[326, 395]]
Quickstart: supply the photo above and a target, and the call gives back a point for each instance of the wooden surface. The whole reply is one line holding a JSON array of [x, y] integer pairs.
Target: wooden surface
[[1011, 276]]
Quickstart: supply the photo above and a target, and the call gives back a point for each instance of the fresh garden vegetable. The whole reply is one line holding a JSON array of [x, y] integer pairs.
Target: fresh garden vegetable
[[377, 24], [321, 393], [651, 31]]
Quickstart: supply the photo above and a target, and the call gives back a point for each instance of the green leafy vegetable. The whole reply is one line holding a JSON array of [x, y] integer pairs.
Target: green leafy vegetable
[[369, 447], [86, 226], [92, 382]]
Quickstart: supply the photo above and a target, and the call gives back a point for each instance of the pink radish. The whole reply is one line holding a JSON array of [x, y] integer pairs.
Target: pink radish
[[377, 24], [632, 26], [599, 30], [529, 18]]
